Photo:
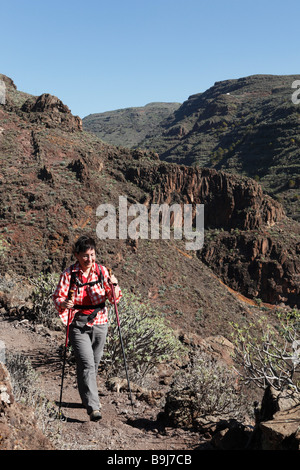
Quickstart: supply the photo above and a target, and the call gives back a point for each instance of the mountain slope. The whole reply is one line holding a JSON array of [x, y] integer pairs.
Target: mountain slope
[[130, 126], [54, 175], [248, 126]]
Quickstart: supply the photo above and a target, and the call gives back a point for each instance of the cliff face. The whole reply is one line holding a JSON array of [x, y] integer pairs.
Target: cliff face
[[261, 264], [230, 202], [249, 242]]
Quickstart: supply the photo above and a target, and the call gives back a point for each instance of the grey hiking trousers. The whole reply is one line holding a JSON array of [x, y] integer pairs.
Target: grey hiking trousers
[[88, 344]]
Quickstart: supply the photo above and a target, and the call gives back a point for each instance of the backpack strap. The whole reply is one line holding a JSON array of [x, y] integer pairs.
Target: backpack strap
[[99, 270], [75, 281], [72, 281]]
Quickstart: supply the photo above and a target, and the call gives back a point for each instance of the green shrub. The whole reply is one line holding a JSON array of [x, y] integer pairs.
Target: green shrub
[[270, 354], [27, 391], [43, 310], [205, 388], [147, 340], [23, 376]]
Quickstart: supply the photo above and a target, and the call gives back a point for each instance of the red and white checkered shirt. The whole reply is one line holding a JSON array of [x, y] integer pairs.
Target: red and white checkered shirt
[[96, 294]]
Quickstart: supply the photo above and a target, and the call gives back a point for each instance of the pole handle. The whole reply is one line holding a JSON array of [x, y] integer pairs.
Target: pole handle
[[71, 294]]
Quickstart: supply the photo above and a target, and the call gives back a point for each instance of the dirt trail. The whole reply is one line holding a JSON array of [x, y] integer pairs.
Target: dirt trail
[[121, 428]]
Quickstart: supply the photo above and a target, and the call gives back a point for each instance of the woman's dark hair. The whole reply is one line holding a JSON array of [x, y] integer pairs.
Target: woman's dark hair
[[84, 243]]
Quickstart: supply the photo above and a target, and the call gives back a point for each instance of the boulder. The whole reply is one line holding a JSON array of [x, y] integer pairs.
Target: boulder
[[283, 431], [279, 420]]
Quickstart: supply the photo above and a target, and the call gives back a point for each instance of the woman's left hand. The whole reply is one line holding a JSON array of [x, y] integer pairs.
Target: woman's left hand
[[114, 281]]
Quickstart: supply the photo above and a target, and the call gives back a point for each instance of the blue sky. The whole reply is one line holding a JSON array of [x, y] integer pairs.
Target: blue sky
[[101, 55]]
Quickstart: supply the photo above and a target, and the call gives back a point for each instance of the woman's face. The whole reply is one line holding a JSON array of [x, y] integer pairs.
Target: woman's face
[[86, 259]]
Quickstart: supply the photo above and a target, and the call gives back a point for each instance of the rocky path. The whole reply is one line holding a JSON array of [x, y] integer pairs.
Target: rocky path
[[121, 428]]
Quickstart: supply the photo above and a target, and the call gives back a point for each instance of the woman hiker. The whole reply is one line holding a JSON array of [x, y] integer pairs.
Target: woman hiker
[[87, 315]]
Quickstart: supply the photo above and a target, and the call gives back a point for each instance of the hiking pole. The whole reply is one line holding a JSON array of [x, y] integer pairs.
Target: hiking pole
[[70, 297], [120, 334]]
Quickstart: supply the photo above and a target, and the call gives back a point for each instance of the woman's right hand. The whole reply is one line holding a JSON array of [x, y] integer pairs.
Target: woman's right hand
[[67, 304]]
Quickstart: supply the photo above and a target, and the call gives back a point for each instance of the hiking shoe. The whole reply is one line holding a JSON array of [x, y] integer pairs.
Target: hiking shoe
[[95, 415]]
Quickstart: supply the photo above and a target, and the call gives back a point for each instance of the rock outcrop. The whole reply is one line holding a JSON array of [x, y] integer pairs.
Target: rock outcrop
[[52, 112], [278, 421]]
